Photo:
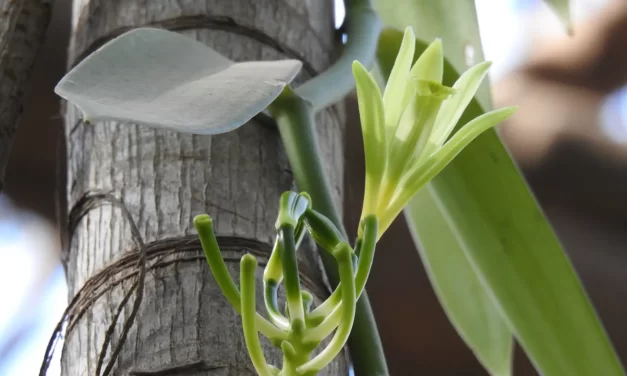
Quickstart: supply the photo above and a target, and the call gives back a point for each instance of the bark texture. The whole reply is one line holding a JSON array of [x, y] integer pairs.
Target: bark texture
[[184, 326], [23, 25]]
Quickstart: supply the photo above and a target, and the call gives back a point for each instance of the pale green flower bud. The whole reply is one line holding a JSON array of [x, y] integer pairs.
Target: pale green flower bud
[[407, 130]]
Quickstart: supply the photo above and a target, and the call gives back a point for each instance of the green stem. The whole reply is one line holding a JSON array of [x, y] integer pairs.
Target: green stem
[[366, 257], [294, 117], [272, 277], [293, 295], [363, 27], [270, 295], [248, 266], [295, 122], [204, 226], [349, 299]]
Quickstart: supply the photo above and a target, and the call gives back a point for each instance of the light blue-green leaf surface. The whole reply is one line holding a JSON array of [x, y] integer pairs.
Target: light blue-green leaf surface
[[163, 79]]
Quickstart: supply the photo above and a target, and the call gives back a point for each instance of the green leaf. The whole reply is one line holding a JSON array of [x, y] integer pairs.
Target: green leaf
[[562, 10], [163, 79], [457, 287], [482, 202]]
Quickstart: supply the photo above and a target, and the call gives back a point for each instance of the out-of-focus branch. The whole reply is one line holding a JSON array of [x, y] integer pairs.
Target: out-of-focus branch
[[562, 86], [594, 57], [23, 25]]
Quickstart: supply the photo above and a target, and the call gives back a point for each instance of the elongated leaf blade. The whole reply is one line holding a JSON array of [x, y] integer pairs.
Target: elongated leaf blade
[[487, 206], [463, 297], [461, 294], [163, 79]]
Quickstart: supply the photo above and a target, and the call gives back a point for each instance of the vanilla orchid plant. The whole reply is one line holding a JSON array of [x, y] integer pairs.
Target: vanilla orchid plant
[[407, 140]]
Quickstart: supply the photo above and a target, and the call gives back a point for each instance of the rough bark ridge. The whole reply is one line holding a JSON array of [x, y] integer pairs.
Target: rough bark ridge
[[23, 25], [184, 326]]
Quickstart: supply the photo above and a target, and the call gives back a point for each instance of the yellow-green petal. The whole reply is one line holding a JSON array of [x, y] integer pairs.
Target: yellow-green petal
[[415, 125], [422, 173], [372, 118], [453, 108], [429, 67], [395, 90], [430, 64]]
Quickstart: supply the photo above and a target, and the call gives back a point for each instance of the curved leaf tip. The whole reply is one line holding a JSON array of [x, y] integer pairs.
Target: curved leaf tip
[[165, 80]]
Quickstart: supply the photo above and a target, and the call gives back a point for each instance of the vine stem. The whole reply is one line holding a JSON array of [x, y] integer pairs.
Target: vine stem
[[295, 120], [332, 85], [294, 114]]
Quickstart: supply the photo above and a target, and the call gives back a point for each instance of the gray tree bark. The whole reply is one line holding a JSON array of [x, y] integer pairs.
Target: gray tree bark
[[184, 326], [23, 25]]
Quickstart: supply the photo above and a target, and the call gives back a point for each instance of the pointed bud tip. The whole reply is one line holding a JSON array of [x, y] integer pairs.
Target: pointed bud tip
[[482, 67], [435, 48], [357, 66], [510, 110]]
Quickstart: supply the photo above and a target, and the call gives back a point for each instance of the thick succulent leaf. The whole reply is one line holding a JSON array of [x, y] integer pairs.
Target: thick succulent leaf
[[488, 208], [163, 79]]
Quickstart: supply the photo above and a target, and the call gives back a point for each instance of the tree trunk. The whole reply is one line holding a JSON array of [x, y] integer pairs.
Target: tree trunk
[[23, 25], [184, 326]]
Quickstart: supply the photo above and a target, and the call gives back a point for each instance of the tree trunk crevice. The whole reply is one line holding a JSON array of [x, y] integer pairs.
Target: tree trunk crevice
[[23, 27]]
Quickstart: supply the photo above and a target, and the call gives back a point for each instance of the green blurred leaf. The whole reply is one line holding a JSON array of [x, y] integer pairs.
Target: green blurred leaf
[[482, 202], [562, 10], [163, 79]]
